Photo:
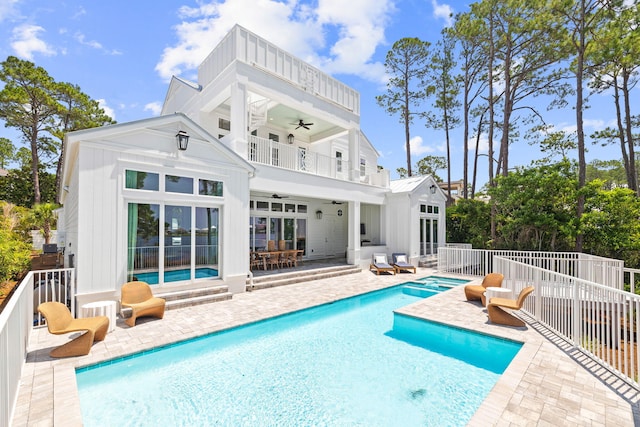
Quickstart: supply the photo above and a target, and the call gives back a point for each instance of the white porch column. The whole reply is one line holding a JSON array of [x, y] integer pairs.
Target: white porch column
[[353, 248], [354, 157], [238, 118]]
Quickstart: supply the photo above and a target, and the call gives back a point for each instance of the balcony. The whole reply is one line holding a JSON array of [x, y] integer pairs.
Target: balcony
[[291, 157]]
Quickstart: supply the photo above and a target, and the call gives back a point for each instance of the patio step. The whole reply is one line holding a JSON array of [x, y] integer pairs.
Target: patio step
[[282, 279], [189, 297], [431, 262]]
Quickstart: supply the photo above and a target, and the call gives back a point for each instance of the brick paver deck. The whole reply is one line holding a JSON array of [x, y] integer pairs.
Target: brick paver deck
[[548, 382]]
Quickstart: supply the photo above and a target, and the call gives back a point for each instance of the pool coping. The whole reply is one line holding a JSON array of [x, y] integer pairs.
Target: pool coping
[[48, 394]]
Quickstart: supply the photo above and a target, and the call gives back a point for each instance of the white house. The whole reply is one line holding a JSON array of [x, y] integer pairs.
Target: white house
[[275, 152]]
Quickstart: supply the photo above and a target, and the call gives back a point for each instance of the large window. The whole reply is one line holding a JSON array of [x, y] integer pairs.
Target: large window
[[270, 222], [172, 242]]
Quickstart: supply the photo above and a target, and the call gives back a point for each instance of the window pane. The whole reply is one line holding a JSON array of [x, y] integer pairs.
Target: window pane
[[209, 188], [142, 180], [262, 206], [276, 207], [177, 243], [224, 124], [178, 184], [289, 207], [207, 249], [143, 242], [302, 208]]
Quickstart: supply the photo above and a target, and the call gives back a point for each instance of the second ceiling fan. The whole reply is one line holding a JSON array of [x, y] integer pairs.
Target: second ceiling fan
[[302, 124]]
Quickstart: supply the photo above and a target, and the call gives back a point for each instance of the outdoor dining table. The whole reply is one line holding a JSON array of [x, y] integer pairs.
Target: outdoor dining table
[[265, 255]]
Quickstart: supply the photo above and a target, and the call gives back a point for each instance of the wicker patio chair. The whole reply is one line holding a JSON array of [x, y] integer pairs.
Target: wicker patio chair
[[476, 292], [498, 315], [138, 297], [60, 321]]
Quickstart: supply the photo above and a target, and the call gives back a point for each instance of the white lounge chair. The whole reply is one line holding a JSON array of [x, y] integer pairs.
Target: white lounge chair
[[379, 263]]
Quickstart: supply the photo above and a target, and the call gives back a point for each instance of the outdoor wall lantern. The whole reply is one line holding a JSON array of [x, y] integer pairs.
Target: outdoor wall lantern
[[290, 138], [183, 140], [319, 214], [433, 189]]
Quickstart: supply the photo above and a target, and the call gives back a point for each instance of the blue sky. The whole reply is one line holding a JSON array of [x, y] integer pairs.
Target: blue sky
[[124, 52]]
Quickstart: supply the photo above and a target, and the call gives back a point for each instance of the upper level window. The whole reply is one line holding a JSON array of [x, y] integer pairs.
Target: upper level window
[[363, 166], [209, 188], [178, 184], [338, 161], [138, 180], [224, 124]]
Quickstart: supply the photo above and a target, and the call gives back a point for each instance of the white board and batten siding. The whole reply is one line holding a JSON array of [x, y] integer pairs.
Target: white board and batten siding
[[96, 206]]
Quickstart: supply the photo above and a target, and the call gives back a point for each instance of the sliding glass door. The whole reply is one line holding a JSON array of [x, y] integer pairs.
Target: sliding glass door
[[188, 252]]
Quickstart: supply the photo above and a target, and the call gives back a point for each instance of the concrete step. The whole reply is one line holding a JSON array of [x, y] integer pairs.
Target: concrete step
[[202, 299], [189, 297], [192, 293], [283, 279], [428, 263]]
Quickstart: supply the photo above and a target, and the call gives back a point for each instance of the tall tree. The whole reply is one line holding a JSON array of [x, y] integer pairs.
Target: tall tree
[[406, 64], [530, 45], [428, 165], [445, 86], [473, 52], [78, 111], [583, 18], [27, 104], [616, 65], [43, 111]]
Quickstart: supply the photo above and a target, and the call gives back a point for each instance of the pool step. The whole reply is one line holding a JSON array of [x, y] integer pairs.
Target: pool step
[[189, 297], [282, 279], [428, 262]]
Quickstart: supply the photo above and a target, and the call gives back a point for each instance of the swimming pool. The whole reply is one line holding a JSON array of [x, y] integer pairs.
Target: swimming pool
[[151, 277], [343, 363]]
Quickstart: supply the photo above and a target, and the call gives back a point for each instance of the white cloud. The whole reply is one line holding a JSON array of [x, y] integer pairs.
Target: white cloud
[[8, 9], [443, 11], [80, 38], [483, 144], [155, 107], [418, 148], [107, 110], [336, 36], [25, 42]]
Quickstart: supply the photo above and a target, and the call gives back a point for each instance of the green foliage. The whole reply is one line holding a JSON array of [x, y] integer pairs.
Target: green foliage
[[428, 165], [42, 111], [469, 221], [535, 208], [44, 218], [17, 186], [15, 252], [611, 225]]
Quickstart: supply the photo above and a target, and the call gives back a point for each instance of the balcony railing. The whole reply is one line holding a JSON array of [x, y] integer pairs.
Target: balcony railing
[[286, 156], [146, 257]]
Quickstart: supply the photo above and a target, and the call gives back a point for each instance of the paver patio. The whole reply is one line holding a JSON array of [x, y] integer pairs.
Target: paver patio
[[548, 382]]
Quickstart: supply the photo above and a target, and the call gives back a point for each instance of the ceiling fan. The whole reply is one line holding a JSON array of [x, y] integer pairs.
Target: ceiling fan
[[302, 124], [277, 196], [333, 202]]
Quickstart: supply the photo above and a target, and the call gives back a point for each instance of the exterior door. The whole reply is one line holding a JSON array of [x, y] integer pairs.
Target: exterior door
[[428, 236]]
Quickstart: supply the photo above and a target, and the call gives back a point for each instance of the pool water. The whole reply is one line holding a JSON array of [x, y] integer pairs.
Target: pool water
[[340, 364], [176, 275]]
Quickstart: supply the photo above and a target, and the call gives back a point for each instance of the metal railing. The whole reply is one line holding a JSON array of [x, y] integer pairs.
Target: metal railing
[[480, 262], [146, 257], [17, 320], [600, 320]]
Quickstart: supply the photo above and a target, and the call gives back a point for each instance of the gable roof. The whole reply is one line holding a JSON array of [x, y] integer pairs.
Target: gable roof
[[164, 125], [414, 184]]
